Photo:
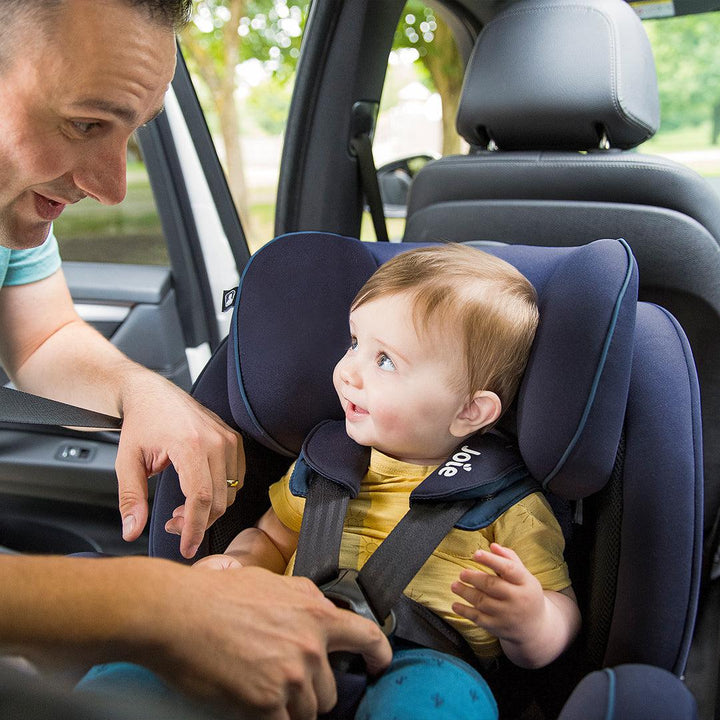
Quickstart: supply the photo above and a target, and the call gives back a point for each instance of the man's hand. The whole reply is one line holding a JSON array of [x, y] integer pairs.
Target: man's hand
[[245, 637], [250, 636], [57, 355], [163, 425]]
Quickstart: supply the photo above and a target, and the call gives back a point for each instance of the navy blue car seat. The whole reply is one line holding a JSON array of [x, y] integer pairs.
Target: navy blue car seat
[[607, 420]]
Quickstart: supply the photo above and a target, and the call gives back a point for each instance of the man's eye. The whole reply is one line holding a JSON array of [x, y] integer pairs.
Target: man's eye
[[84, 127], [385, 363]]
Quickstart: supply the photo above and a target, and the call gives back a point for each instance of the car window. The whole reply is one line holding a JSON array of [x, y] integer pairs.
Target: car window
[[126, 233], [242, 58], [687, 58], [420, 97]]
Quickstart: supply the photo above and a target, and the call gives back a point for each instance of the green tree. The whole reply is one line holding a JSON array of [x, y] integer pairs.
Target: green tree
[[225, 33], [425, 30], [687, 57]]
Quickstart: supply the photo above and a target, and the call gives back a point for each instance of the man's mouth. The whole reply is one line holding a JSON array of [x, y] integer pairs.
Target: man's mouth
[[48, 209]]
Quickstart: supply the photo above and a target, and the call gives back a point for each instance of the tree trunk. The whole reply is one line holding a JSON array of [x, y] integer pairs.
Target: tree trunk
[[445, 67]]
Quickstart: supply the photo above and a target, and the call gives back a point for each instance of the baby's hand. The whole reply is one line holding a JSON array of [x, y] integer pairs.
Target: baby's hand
[[218, 562], [508, 604]]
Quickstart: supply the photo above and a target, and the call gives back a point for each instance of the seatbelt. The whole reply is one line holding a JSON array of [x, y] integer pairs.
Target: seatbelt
[[26, 409], [362, 147]]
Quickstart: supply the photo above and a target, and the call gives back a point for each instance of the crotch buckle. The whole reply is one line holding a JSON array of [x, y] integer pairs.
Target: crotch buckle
[[346, 593]]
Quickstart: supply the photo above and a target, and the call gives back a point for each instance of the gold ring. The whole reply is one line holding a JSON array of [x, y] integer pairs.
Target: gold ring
[[232, 483]]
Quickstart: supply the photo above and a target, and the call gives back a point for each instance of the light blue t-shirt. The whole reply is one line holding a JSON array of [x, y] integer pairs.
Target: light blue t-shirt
[[18, 267]]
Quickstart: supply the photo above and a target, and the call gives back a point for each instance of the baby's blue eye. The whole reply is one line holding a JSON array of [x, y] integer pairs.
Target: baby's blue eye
[[385, 363]]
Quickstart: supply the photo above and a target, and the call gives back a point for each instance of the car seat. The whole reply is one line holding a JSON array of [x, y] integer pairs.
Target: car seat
[[607, 419], [557, 96]]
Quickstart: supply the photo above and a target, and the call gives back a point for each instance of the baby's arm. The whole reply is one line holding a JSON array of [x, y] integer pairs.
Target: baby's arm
[[534, 626], [270, 544]]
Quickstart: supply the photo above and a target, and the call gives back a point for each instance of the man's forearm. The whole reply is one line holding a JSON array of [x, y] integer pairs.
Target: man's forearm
[[47, 349], [89, 610], [79, 366]]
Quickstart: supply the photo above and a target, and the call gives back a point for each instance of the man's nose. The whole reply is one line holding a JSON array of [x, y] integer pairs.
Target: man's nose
[[103, 174]]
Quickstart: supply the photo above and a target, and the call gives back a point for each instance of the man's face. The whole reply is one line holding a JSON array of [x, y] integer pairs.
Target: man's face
[[68, 106]]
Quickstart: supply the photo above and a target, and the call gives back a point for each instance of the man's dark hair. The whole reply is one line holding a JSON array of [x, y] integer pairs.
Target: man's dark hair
[[39, 15], [171, 12], [174, 12]]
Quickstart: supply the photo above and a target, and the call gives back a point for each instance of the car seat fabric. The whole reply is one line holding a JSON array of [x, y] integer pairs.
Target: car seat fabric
[[630, 692], [655, 423], [272, 380]]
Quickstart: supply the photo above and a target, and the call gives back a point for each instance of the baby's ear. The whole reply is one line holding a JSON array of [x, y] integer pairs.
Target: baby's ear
[[482, 409]]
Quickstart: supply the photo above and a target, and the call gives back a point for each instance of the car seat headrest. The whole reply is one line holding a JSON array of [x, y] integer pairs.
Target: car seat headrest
[[290, 327], [561, 74]]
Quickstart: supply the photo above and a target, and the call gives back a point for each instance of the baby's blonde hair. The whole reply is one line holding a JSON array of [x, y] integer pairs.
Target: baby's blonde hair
[[489, 304]]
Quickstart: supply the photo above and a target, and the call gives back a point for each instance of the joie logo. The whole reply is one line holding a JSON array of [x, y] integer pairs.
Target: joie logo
[[228, 299], [461, 459]]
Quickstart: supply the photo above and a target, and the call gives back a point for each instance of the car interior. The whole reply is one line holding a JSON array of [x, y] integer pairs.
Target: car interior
[[552, 177]]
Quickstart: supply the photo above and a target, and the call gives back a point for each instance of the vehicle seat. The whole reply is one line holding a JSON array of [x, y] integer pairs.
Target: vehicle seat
[[607, 419], [564, 91]]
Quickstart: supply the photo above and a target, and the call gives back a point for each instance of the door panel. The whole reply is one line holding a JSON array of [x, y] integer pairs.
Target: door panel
[[135, 307]]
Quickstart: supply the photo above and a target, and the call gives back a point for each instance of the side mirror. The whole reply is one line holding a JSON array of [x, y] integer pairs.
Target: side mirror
[[395, 179]]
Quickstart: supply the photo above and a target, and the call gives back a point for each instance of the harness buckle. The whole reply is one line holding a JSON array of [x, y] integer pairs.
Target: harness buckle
[[346, 593]]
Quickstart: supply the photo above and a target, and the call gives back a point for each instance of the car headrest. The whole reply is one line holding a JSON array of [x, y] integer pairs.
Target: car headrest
[[560, 74], [290, 327]]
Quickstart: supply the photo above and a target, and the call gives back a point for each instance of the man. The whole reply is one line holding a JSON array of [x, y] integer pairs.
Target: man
[[77, 78], [72, 91]]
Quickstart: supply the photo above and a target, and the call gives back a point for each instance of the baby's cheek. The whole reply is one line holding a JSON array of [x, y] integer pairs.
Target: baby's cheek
[[390, 420]]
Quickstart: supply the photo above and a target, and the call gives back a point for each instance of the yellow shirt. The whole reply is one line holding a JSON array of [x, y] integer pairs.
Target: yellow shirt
[[529, 528]]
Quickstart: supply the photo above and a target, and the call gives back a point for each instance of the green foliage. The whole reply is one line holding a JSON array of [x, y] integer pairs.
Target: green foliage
[[687, 57], [268, 104], [267, 30], [416, 30]]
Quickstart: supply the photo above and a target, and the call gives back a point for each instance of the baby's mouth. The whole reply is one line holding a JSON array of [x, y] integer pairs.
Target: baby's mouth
[[354, 410]]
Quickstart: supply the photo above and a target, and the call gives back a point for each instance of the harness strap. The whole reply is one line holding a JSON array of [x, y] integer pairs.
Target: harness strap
[[318, 549], [414, 622], [391, 567], [477, 484], [405, 550]]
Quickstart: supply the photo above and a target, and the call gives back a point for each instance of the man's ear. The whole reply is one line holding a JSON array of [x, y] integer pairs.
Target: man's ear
[[482, 409]]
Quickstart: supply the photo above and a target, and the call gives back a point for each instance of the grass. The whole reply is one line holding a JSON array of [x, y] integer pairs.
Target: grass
[[705, 157]]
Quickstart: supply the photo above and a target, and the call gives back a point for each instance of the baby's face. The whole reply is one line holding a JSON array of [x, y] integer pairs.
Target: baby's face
[[398, 390]]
